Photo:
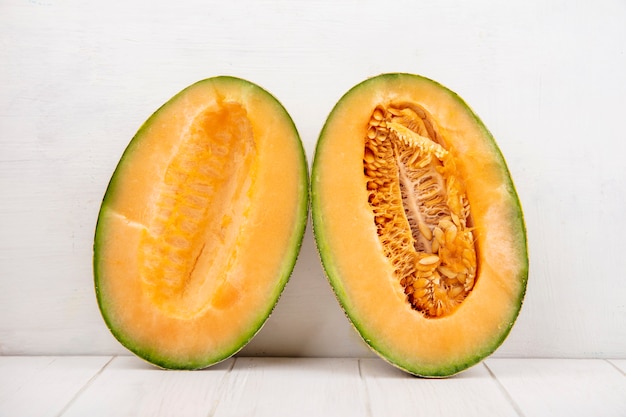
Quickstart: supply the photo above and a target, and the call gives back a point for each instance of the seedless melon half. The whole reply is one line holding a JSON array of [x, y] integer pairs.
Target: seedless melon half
[[418, 224], [201, 224]]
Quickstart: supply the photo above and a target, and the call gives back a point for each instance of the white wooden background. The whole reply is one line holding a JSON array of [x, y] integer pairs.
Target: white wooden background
[[77, 78]]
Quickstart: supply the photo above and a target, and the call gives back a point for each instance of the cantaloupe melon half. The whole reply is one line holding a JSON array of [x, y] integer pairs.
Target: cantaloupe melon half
[[201, 224], [418, 224]]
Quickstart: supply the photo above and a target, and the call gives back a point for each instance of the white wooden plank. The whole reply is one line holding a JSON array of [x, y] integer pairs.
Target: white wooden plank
[[293, 387], [42, 386], [131, 387], [393, 392], [620, 364], [562, 387]]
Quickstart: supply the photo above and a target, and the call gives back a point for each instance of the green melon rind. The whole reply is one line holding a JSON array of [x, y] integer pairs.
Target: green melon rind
[[148, 353], [517, 228]]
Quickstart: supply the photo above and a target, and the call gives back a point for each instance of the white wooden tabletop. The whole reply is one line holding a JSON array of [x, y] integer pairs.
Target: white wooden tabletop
[[243, 386]]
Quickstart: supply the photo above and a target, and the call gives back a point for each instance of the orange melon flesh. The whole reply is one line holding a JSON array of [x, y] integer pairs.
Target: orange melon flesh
[[359, 272], [201, 224]]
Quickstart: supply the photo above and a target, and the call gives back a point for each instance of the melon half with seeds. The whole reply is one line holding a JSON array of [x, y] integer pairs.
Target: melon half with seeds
[[201, 224], [418, 224]]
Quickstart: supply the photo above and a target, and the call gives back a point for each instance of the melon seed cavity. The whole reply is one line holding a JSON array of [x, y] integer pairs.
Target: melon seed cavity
[[420, 208], [193, 232]]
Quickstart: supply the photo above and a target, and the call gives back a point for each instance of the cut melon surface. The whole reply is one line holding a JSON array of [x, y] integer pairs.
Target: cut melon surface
[[418, 224], [201, 224]]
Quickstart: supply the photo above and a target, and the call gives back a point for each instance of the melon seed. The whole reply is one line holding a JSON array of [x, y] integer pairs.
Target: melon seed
[[420, 208], [429, 260]]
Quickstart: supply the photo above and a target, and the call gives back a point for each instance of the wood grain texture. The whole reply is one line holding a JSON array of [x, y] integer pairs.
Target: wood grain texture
[[392, 392], [79, 78], [619, 364], [131, 387], [290, 387], [562, 387], [43, 385], [127, 386]]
